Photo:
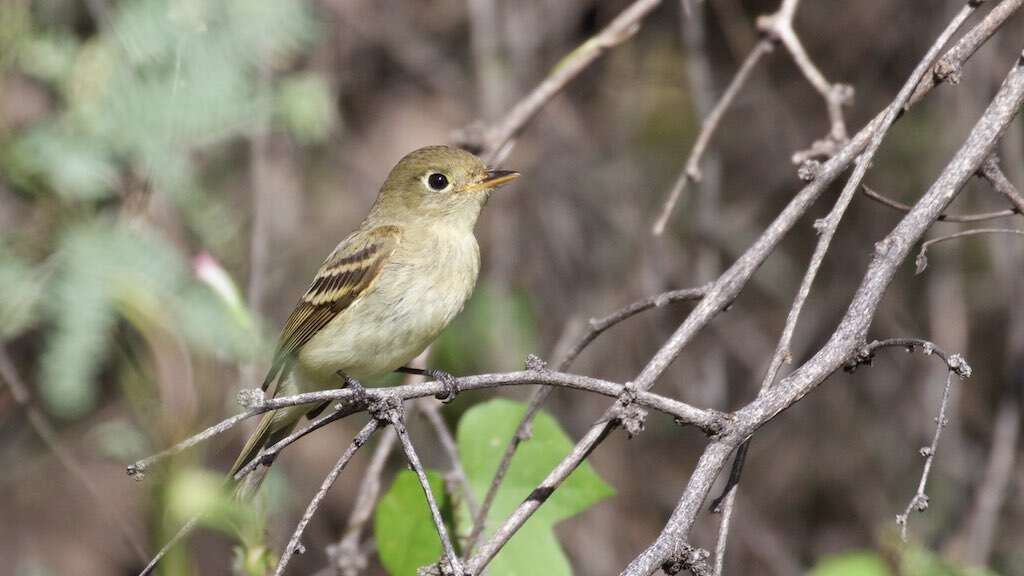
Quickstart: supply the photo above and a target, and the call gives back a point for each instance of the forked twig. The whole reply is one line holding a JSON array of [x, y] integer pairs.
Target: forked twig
[[393, 414], [921, 262], [595, 327], [294, 544]]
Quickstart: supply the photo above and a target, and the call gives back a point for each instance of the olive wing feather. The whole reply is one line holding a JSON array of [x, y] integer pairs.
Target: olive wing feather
[[343, 277]]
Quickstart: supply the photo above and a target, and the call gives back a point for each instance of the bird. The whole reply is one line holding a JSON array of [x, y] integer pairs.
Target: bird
[[385, 292]]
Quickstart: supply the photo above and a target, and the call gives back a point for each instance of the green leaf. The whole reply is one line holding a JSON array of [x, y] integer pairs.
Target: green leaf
[[859, 563], [483, 433], [405, 532]]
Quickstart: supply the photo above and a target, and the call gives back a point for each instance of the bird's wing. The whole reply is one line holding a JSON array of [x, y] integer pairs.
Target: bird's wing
[[343, 277]]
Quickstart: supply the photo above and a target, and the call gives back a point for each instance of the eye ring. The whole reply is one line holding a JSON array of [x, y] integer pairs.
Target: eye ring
[[437, 181]]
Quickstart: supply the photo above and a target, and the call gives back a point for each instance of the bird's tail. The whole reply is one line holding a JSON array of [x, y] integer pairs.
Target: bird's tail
[[273, 427]]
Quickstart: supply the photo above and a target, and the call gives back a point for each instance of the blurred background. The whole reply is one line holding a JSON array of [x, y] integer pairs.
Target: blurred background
[[173, 171]]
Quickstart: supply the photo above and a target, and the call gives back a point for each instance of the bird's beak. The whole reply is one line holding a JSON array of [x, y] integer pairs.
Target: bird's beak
[[494, 178]]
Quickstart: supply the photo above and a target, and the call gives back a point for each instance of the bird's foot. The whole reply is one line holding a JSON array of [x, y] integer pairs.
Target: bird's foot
[[359, 395], [451, 385]]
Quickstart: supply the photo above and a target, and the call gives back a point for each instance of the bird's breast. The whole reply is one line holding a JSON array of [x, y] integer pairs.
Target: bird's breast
[[425, 284]]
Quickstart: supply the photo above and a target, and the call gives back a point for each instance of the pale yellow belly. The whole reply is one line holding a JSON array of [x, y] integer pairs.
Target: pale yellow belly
[[404, 310]]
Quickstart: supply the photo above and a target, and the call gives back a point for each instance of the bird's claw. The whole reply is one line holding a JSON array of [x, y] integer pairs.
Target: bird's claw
[[451, 385], [359, 395]]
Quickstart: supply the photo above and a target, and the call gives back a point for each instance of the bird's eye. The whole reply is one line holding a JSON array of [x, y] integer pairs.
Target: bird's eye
[[437, 181]]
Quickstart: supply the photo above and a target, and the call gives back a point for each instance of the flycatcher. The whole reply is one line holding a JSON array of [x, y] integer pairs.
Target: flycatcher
[[388, 290]]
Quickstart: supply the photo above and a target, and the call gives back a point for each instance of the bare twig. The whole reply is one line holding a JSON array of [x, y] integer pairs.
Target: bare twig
[[691, 170], [432, 412], [346, 556], [922, 256], [722, 293], [393, 414], [866, 355], [994, 174], [491, 142], [596, 327], [827, 226], [728, 506], [42, 427], [780, 26], [294, 542], [889, 254], [944, 217], [919, 501], [339, 412]]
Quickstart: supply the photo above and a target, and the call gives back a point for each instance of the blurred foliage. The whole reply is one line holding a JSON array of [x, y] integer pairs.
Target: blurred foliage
[[472, 345], [915, 560]]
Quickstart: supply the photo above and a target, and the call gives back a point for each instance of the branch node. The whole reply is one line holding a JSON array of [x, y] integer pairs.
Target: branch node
[[535, 363], [820, 225], [385, 408], [136, 471], [689, 558], [630, 416], [960, 366], [809, 170], [926, 451], [250, 398]]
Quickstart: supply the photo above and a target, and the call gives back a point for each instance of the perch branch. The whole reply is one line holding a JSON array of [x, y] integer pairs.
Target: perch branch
[[707, 420]]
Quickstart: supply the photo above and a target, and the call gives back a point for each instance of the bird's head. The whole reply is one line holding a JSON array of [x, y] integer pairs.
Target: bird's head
[[438, 183]]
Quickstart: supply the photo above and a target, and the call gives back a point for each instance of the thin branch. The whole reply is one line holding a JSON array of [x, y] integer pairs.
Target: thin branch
[[994, 174], [728, 506], [346, 556], [42, 427], [721, 295], [432, 412], [707, 420], [493, 141], [293, 543], [691, 170], [919, 501], [780, 26], [922, 257], [182, 532], [267, 454], [828, 226], [944, 217], [866, 355], [595, 327], [889, 255], [393, 414]]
